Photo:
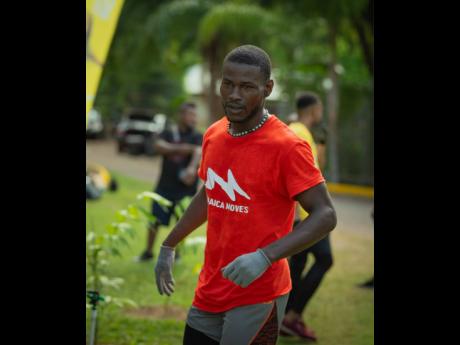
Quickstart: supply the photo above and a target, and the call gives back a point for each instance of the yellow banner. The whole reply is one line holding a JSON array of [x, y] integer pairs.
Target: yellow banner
[[101, 21]]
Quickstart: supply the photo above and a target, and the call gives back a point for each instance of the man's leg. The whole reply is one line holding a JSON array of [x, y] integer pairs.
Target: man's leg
[[195, 337], [152, 232], [162, 218], [203, 327]]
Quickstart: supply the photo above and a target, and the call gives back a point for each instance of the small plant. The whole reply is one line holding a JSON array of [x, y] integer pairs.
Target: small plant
[[100, 247]]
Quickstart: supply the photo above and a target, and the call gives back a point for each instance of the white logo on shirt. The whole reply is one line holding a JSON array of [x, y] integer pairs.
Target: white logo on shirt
[[229, 187]]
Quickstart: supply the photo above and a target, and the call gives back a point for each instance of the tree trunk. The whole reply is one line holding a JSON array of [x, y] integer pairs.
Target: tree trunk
[[332, 107], [214, 102], [366, 44]]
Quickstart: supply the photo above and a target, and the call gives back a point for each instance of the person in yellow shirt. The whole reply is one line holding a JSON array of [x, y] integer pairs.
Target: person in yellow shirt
[[309, 114]]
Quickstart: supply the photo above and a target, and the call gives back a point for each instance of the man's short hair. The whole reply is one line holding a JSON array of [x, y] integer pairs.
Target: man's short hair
[[185, 106], [251, 55], [307, 99]]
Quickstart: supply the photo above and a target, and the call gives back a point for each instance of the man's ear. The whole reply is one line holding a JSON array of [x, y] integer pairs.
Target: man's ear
[[268, 88]]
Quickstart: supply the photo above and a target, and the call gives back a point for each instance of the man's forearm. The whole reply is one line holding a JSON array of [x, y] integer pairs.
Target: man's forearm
[[312, 229], [194, 216], [195, 161], [165, 148]]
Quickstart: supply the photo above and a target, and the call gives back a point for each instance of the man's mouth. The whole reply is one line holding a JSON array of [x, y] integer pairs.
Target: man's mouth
[[234, 108]]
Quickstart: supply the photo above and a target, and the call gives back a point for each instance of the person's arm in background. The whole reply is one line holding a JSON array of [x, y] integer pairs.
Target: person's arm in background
[[165, 148], [321, 149], [190, 173], [320, 137], [194, 216]]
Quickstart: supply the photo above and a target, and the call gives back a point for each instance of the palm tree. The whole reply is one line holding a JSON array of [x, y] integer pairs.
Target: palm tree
[[214, 28], [223, 28]]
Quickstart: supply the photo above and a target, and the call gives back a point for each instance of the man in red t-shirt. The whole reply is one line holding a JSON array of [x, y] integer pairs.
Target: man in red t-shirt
[[255, 169]]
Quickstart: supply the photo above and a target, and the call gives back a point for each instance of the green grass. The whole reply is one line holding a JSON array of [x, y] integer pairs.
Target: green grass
[[340, 313]]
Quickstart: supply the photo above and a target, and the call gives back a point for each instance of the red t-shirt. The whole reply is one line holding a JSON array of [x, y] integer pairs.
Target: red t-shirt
[[250, 185]]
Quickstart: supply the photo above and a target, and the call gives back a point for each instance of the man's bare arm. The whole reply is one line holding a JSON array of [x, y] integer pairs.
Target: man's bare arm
[[189, 177], [195, 215], [164, 148], [321, 220], [196, 157], [321, 148]]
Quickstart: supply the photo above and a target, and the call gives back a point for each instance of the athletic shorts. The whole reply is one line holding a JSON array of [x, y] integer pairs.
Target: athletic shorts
[[250, 324], [163, 213]]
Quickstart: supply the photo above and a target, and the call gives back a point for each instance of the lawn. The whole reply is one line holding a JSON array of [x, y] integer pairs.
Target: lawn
[[340, 313]]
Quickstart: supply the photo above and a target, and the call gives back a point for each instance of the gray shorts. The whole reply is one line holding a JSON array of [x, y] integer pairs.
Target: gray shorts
[[241, 325]]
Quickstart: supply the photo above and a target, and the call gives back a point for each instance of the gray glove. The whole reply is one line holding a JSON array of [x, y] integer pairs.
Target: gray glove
[[246, 268], [163, 271]]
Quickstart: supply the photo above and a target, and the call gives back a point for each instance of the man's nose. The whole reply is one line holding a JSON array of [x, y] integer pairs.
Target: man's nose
[[235, 94]]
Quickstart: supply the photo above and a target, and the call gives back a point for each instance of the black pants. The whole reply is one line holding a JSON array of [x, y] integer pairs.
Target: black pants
[[194, 337], [304, 288]]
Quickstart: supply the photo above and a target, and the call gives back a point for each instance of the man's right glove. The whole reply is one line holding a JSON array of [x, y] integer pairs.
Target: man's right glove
[[163, 271], [246, 268]]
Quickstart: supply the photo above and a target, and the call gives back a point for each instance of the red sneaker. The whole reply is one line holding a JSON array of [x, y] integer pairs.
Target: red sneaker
[[309, 333], [298, 328], [284, 334]]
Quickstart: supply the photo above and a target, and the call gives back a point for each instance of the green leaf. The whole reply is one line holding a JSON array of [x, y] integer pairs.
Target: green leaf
[[94, 248], [131, 232], [111, 282], [154, 196], [130, 302], [124, 226], [121, 302], [112, 228], [121, 215], [99, 240], [147, 214], [123, 241], [115, 252], [90, 237], [133, 212]]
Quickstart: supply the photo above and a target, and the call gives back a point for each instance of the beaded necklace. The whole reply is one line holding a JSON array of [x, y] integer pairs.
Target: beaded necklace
[[260, 124]]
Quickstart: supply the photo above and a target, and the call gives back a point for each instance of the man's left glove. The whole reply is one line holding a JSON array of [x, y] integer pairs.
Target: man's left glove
[[246, 268], [163, 271]]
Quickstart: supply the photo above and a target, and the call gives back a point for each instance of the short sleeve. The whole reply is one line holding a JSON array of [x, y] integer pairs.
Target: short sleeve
[[298, 171]]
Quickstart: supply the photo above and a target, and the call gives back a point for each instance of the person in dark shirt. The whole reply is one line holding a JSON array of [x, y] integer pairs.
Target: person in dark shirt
[[180, 147]]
